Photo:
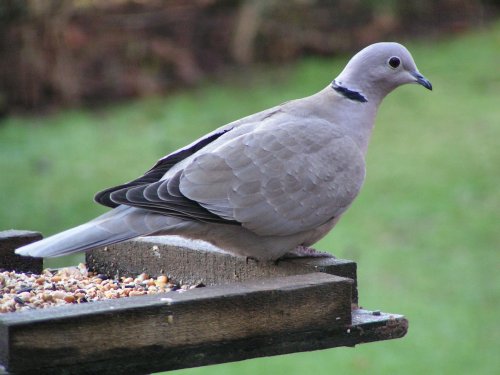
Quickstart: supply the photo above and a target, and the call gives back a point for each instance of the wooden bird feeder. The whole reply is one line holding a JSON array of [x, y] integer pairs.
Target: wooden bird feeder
[[247, 310]]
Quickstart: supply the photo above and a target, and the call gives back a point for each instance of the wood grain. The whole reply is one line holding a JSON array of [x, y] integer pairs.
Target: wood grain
[[10, 240], [193, 263], [109, 331], [249, 309]]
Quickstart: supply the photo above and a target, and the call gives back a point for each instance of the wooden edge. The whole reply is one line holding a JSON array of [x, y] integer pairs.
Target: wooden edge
[[367, 326], [192, 262], [124, 332], [18, 233], [9, 260]]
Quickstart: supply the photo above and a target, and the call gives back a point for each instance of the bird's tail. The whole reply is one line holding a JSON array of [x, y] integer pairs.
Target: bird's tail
[[117, 225]]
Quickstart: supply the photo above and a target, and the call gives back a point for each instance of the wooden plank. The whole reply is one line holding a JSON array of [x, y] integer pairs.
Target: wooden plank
[[366, 327], [192, 262], [126, 334], [11, 240]]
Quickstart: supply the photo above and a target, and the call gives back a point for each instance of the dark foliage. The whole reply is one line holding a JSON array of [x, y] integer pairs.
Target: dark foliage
[[60, 53]]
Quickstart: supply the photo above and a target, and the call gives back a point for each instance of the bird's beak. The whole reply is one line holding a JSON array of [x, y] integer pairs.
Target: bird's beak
[[421, 80]]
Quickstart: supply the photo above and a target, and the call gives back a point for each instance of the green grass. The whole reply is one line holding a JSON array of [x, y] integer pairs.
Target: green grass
[[424, 230]]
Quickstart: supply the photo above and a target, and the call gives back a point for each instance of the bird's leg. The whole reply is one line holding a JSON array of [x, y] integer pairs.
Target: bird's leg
[[306, 252]]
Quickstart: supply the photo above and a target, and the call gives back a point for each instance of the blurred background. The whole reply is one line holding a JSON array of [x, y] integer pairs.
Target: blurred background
[[61, 53], [93, 92]]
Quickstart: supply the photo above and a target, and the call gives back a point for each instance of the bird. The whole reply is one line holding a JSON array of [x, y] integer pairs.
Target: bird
[[264, 186]]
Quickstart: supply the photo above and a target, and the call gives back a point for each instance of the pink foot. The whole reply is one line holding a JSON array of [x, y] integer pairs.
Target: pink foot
[[306, 252]]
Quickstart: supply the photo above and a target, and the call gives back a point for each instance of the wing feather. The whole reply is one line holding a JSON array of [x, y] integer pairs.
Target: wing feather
[[278, 180], [275, 177]]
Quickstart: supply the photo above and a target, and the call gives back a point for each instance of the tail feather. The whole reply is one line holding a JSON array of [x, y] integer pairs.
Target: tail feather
[[118, 225]]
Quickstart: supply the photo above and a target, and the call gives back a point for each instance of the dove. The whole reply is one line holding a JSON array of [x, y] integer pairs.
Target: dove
[[261, 187]]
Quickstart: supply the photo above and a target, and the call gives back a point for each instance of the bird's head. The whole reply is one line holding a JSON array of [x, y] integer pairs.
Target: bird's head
[[380, 68]]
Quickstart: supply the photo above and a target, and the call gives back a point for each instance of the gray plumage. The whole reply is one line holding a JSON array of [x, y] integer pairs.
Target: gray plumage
[[260, 186]]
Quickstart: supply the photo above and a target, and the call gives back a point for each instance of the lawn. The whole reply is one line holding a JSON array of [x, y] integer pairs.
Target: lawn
[[424, 230]]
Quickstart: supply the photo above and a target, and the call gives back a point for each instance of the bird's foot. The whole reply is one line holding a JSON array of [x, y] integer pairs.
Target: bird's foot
[[306, 252]]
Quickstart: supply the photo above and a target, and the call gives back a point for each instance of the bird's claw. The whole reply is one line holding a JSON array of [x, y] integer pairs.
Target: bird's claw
[[306, 252]]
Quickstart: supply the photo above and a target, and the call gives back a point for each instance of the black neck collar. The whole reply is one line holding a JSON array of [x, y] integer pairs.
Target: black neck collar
[[349, 94]]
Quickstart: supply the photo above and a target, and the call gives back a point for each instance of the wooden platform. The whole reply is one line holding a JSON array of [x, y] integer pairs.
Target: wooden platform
[[194, 262], [12, 239], [247, 310]]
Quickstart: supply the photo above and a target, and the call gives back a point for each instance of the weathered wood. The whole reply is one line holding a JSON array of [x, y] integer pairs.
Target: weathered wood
[[9, 260], [366, 327], [258, 309], [193, 262], [129, 330]]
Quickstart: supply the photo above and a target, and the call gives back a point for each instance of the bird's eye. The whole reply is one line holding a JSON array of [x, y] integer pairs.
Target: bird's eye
[[394, 62]]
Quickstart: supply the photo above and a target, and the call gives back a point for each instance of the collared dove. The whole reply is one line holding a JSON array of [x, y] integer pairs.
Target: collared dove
[[261, 186]]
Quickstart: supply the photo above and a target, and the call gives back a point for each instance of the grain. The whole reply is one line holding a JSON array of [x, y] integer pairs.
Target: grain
[[74, 285]]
